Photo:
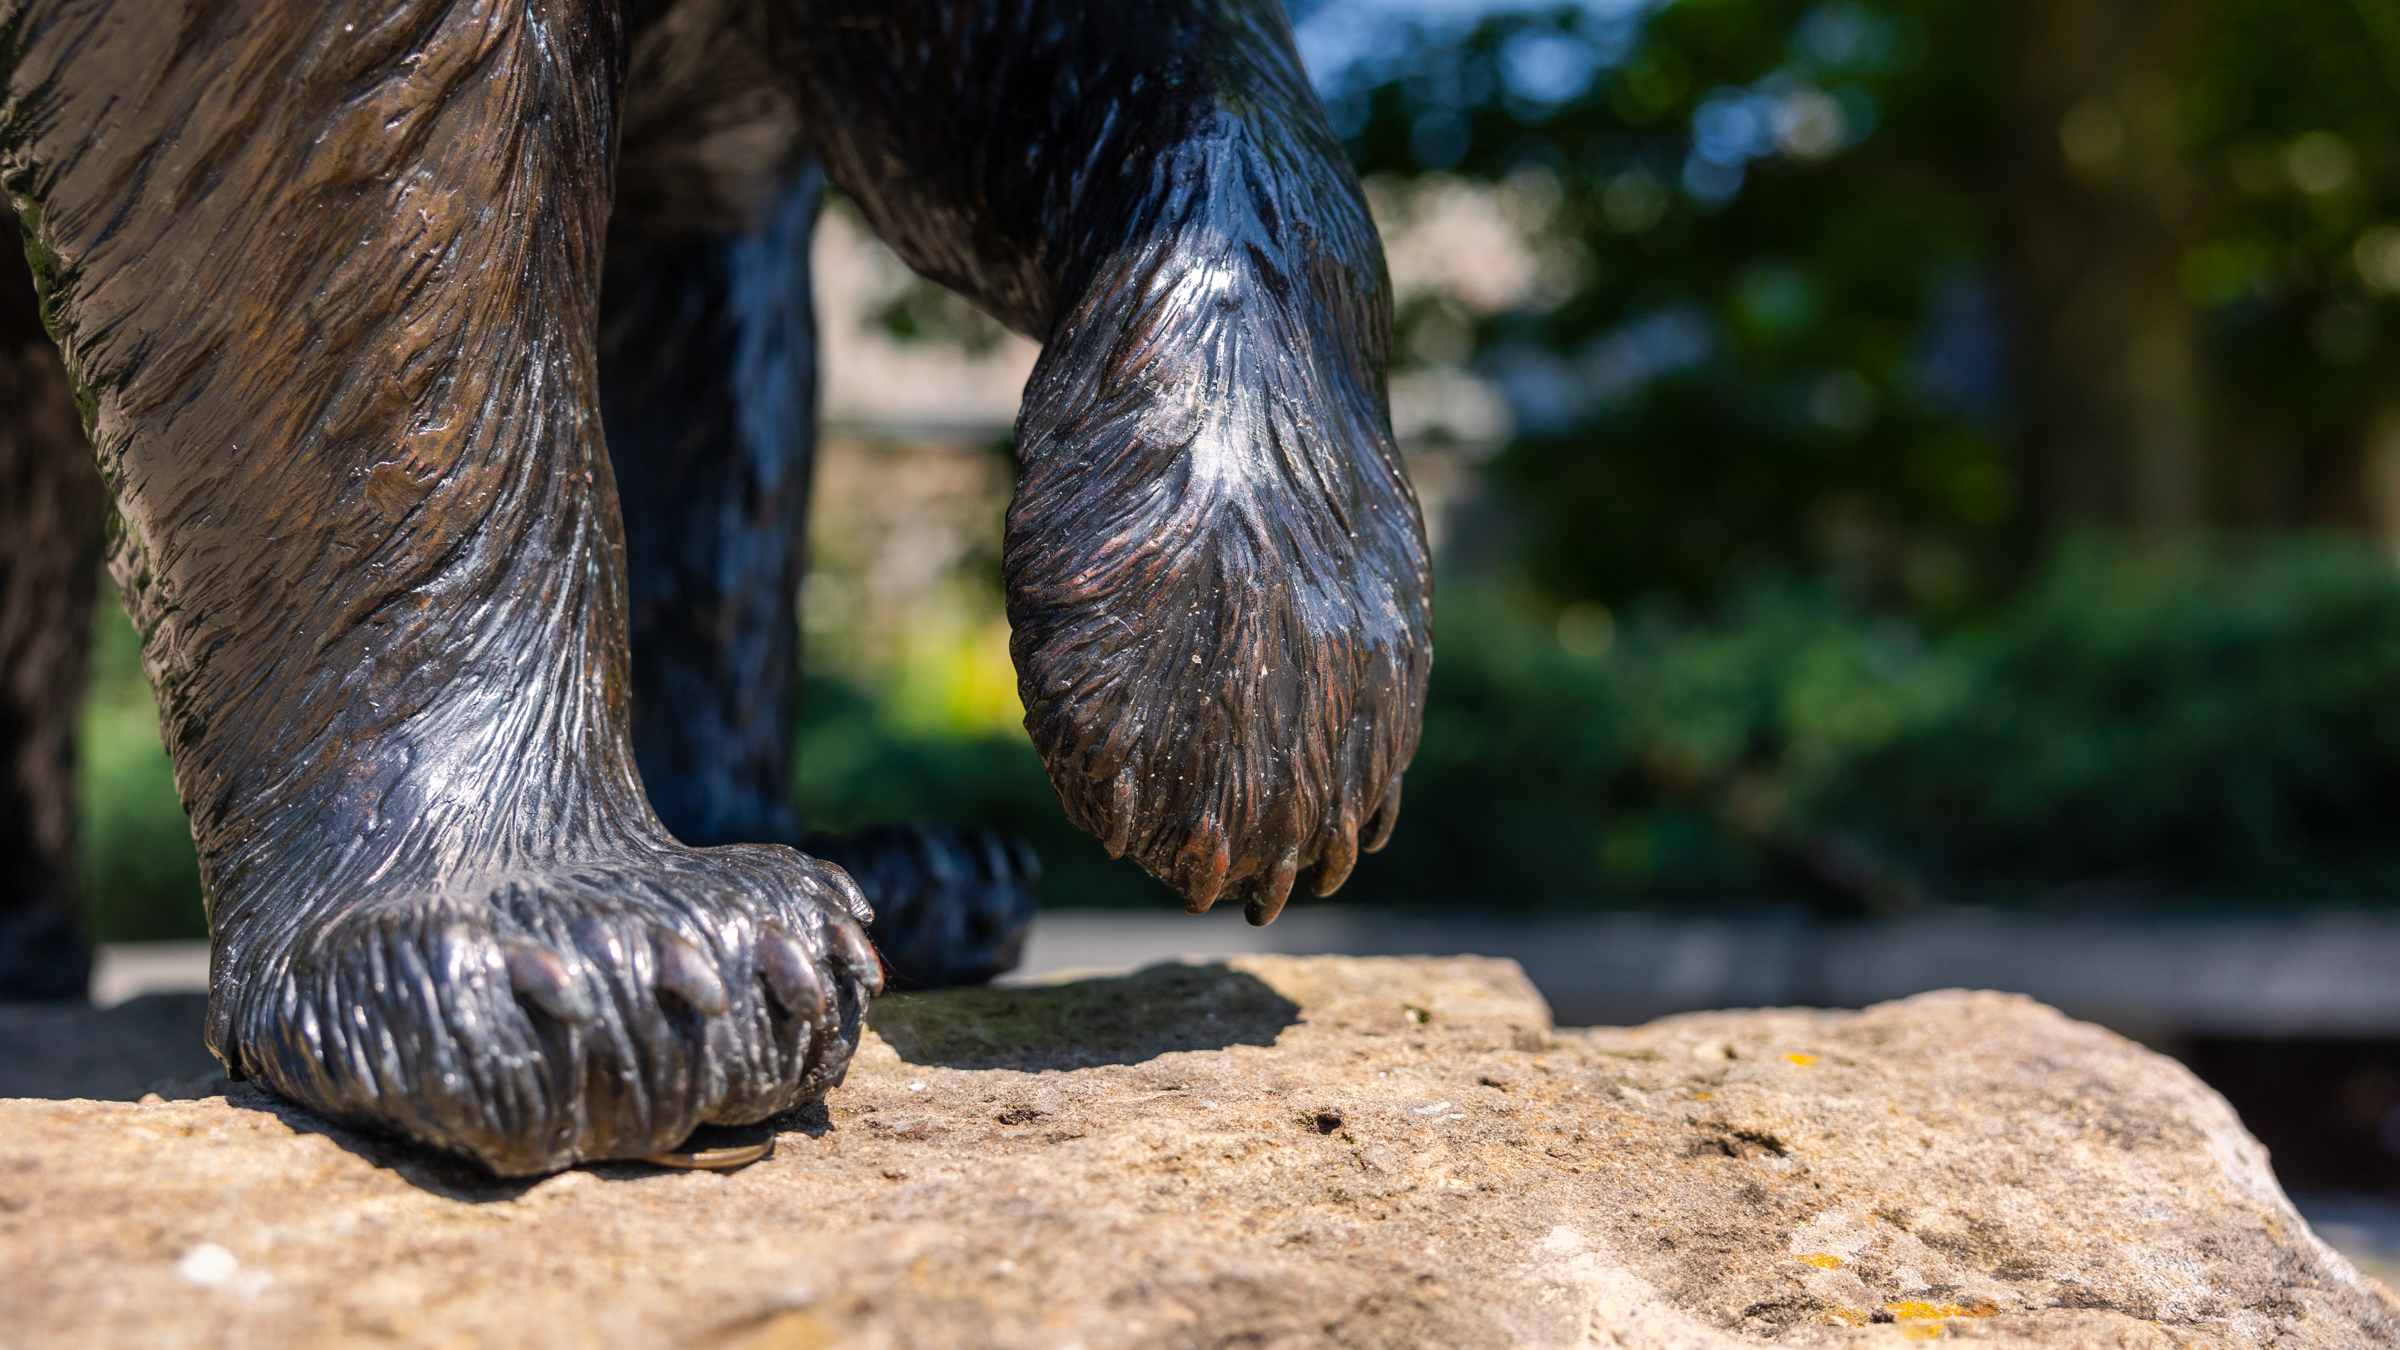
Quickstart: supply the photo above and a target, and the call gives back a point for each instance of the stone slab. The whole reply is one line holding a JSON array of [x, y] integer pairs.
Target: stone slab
[[1264, 1152]]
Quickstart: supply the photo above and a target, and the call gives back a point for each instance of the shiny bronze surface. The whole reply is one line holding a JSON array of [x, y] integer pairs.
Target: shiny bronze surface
[[328, 283], [1216, 570]]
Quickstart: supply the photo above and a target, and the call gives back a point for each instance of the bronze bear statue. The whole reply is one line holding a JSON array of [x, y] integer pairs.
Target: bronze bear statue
[[494, 826]]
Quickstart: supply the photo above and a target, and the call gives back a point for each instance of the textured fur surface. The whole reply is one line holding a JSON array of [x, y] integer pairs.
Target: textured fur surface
[[953, 903], [327, 281], [1216, 570]]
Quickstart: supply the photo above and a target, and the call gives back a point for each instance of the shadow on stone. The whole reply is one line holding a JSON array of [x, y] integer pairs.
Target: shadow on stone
[[430, 1170], [152, 1044], [61, 1051], [1122, 1019], [466, 1181]]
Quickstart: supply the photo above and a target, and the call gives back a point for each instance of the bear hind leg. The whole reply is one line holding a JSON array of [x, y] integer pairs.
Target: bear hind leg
[[708, 386], [51, 512]]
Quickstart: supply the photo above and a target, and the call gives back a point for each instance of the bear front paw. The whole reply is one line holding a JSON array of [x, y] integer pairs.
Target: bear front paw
[[559, 1012], [1217, 575]]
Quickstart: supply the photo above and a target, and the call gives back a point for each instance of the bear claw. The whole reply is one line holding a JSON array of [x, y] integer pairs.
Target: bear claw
[[784, 964], [1341, 854], [685, 972], [1379, 829], [1215, 861], [857, 958], [1264, 906], [543, 978]]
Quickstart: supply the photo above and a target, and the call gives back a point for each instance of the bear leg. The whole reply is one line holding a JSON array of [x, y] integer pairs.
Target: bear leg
[[1218, 581], [708, 389], [51, 513], [953, 902], [328, 273]]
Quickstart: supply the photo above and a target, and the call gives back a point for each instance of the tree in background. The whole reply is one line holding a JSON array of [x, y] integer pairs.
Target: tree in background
[[2290, 114], [1898, 292], [2098, 200]]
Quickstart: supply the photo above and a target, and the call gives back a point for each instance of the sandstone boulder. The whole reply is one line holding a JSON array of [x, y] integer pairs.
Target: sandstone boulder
[[1266, 1152]]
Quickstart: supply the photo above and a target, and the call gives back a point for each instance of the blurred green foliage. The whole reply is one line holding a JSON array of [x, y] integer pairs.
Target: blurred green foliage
[[141, 878], [2204, 724], [2197, 724], [868, 756]]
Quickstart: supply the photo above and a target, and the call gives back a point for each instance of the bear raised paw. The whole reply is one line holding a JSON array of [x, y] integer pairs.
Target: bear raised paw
[[483, 721]]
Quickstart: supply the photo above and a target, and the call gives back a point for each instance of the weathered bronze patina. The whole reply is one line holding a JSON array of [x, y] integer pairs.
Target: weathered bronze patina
[[493, 824]]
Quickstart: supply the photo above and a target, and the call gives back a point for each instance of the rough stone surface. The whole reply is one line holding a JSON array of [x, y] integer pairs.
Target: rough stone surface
[[1269, 1152]]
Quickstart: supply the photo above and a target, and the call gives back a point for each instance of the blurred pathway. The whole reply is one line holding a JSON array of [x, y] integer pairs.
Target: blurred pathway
[[2314, 975]]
